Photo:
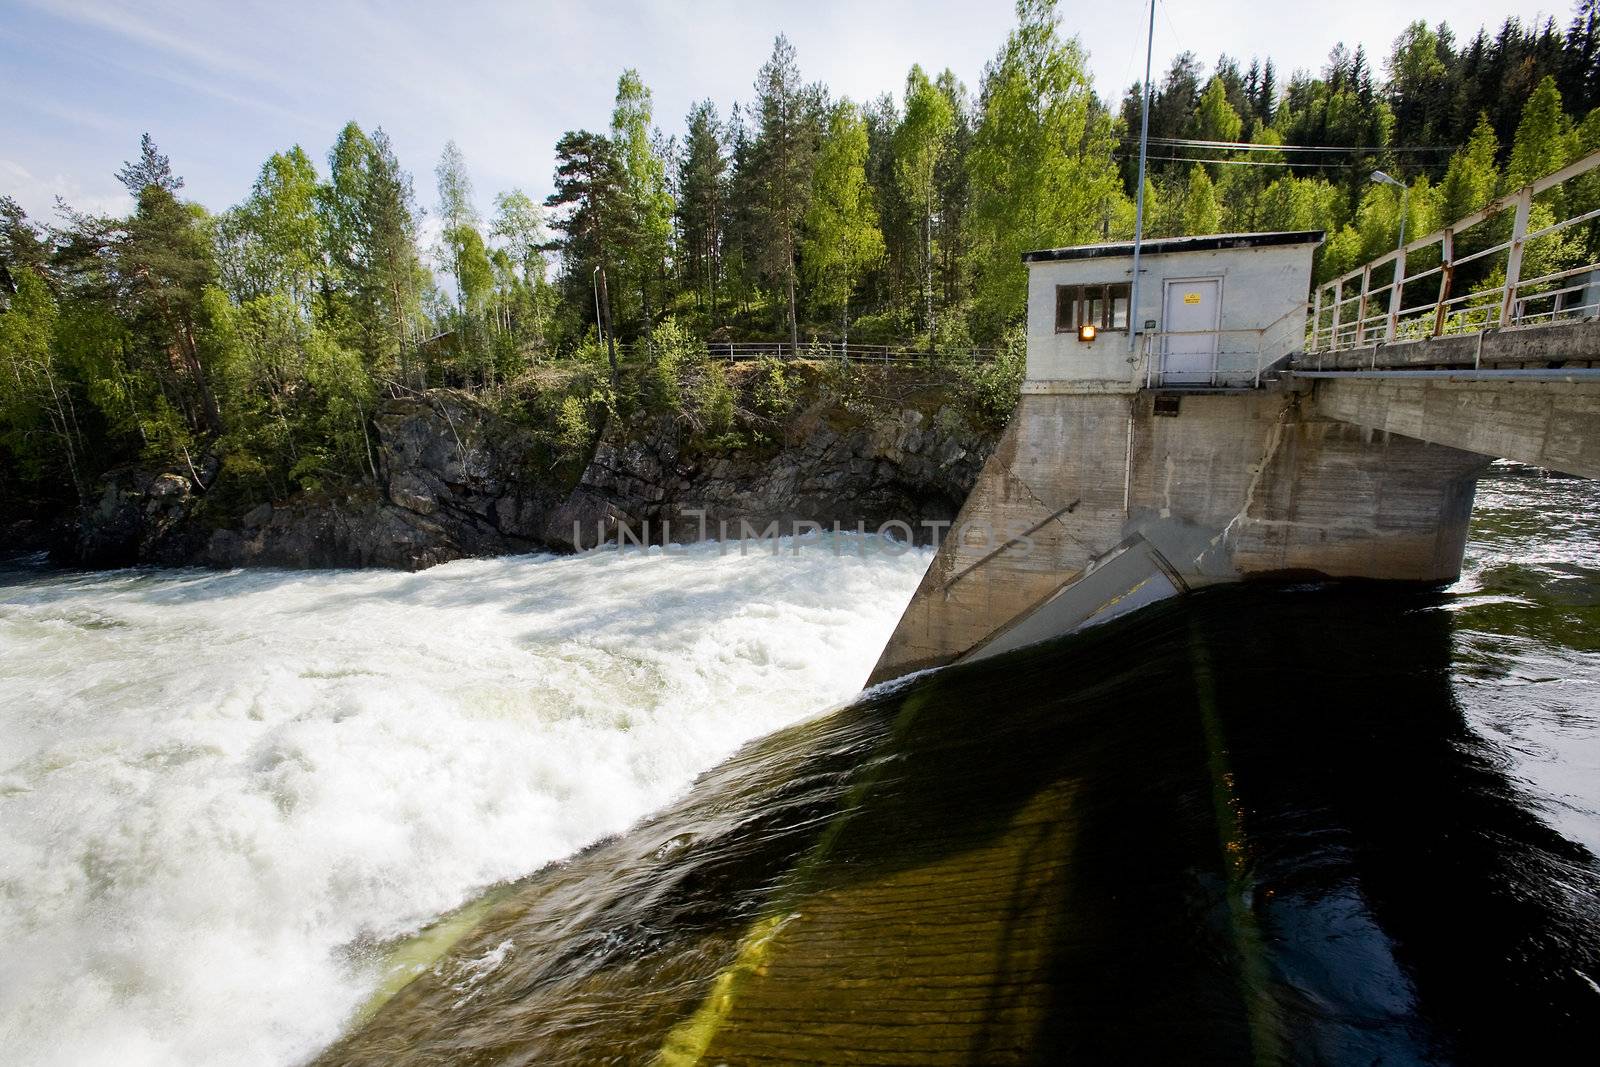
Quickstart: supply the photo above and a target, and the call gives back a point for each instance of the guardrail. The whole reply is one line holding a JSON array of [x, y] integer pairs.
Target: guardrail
[[735, 351], [1219, 358], [741, 351], [1342, 320]]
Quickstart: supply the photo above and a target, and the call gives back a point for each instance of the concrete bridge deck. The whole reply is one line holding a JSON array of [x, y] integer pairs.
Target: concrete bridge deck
[[1529, 393]]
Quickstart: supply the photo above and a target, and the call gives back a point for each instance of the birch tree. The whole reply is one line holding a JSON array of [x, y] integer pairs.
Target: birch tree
[[919, 147], [842, 238]]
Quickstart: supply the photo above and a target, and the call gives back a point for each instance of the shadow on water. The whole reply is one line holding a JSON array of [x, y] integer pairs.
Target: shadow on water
[[1249, 825]]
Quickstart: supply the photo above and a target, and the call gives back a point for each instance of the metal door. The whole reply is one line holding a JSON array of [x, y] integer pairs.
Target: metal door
[[1193, 314]]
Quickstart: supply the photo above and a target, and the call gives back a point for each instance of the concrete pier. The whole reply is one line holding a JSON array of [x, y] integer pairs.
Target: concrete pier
[[1207, 447], [1094, 505]]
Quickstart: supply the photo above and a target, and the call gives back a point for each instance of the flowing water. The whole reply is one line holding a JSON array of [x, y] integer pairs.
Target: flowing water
[[1314, 824], [223, 794]]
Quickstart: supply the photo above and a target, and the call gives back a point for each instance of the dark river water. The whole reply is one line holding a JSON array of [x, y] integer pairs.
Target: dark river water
[[1321, 824]]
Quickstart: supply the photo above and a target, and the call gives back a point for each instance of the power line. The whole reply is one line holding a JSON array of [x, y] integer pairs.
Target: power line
[[1242, 146], [1235, 162]]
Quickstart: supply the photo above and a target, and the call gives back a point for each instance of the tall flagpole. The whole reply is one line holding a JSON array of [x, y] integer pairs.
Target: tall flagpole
[[1134, 322]]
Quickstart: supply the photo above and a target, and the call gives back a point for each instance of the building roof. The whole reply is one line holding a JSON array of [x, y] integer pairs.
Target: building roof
[[1168, 245]]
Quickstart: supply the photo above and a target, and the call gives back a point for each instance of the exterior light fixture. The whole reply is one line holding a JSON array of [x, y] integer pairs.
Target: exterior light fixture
[[1380, 178], [1086, 332]]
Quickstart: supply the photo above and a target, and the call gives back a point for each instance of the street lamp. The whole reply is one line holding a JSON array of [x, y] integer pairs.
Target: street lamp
[[1383, 179]]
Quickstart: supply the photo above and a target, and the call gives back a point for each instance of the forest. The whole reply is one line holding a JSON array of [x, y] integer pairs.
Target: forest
[[250, 346]]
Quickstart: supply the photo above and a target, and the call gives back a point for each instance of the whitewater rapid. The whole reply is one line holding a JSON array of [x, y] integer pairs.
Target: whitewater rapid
[[218, 789]]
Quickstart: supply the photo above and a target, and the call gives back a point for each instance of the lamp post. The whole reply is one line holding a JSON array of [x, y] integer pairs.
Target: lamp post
[[1381, 178], [1396, 287], [1138, 210]]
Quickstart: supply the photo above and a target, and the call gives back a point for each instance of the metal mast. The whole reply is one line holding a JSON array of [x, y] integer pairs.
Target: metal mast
[[1138, 212]]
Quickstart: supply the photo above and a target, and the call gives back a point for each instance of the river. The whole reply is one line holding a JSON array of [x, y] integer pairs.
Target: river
[[1308, 824]]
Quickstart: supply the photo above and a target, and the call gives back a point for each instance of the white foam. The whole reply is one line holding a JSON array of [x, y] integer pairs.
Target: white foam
[[212, 785]]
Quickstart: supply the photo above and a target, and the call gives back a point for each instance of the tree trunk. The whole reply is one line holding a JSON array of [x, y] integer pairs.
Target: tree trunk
[[927, 265], [788, 278], [844, 321], [644, 311], [605, 325]]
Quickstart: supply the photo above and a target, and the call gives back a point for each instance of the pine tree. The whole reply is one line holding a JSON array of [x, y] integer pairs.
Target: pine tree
[[378, 277], [782, 158], [1580, 66], [164, 261], [21, 247], [702, 201], [151, 168], [1267, 97], [588, 195]]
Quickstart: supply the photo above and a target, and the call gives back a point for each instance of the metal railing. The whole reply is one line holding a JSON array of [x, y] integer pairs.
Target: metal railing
[[1342, 319], [735, 351], [1237, 358], [742, 351]]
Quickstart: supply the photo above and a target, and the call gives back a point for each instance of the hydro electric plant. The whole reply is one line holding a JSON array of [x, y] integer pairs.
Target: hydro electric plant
[[1224, 429]]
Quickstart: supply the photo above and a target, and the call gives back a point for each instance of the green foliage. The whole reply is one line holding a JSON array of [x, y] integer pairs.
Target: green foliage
[[645, 201], [920, 144], [782, 155], [674, 353], [376, 280], [1544, 138], [574, 430], [1215, 119], [38, 423], [1470, 180], [841, 238], [1041, 165], [990, 388], [773, 392], [712, 399], [266, 335], [1200, 212]]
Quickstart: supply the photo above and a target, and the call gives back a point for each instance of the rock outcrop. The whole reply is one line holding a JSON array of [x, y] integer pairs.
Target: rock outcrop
[[910, 466], [454, 480]]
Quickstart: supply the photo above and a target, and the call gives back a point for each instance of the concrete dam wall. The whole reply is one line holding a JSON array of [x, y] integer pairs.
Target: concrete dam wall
[[1095, 504]]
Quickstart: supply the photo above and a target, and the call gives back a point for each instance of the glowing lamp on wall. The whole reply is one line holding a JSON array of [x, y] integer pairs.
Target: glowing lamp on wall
[[1086, 332]]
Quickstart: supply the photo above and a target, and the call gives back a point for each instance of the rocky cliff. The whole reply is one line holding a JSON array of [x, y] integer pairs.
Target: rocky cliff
[[455, 480]]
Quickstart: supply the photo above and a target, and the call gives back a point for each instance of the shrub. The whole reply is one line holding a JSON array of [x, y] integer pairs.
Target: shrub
[[573, 429], [712, 399], [989, 388], [772, 391]]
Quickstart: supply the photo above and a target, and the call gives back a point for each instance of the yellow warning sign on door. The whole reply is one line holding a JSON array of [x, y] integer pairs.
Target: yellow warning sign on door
[[1191, 298]]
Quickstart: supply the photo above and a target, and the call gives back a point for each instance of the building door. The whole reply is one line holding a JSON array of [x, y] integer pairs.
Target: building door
[[1193, 312]]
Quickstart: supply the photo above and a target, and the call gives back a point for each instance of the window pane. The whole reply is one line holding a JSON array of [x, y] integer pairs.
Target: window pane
[[1066, 308], [1119, 307], [1094, 305]]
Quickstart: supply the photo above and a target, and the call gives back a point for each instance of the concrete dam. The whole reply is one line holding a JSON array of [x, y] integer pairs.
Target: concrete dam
[[1120, 845], [1241, 433]]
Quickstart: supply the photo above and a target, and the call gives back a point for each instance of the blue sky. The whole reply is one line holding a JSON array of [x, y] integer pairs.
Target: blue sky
[[222, 85]]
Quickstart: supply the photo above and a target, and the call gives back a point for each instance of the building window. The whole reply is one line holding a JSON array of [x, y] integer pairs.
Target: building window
[[1104, 306]]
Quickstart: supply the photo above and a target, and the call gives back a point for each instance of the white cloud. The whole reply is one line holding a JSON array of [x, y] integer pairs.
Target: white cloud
[[223, 85], [37, 194]]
